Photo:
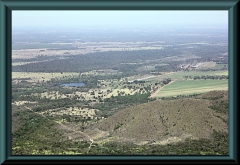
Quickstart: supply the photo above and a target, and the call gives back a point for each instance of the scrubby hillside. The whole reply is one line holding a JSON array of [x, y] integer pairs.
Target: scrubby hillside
[[165, 121], [197, 125]]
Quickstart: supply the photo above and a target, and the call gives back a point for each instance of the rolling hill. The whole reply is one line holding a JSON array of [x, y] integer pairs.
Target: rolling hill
[[166, 121]]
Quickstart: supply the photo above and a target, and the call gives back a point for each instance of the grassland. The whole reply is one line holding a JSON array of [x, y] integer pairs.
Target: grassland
[[180, 74], [209, 64], [189, 87], [221, 65], [114, 87], [223, 73]]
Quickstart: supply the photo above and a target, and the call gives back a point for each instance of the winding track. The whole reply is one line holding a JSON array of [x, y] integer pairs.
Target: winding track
[[64, 126]]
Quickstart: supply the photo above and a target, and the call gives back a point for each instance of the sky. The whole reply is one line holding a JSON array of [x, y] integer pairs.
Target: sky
[[113, 19]]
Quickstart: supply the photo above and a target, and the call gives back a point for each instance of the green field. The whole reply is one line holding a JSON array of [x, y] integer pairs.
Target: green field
[[188, 87], [221, 66], [180, 74]]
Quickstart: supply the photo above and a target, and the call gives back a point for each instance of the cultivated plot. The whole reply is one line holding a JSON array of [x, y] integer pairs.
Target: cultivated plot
[[189, 87]]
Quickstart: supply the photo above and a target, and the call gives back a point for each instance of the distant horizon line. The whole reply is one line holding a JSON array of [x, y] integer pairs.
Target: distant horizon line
[[210, 26]]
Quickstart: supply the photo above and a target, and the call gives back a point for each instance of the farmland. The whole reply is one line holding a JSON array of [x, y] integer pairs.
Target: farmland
[[140, 95], [190, 87]]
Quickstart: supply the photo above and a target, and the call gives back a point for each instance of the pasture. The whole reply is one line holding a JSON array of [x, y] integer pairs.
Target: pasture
[[189, 87], [219, 66], [209, 64]]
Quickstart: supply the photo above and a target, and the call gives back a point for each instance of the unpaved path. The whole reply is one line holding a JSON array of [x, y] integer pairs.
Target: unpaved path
[[66, 127]]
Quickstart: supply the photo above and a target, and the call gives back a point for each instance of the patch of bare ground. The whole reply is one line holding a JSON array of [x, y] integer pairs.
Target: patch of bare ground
[[23, 102], [164, 121], [71, 133], [97, 134]]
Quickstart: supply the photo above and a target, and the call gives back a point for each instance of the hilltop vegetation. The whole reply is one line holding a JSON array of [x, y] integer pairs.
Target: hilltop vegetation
[[162, 119], [181, 126]]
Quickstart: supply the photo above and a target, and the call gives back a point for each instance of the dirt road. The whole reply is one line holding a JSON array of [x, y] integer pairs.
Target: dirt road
[[66, 127]]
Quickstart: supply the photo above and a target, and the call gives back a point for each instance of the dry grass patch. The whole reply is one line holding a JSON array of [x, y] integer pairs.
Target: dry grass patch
[[73, 111], [126, 91], [209, 64], [23, 102], [52, 95]]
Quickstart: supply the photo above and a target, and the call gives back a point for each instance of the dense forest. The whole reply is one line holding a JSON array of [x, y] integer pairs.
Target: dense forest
[[120, 60]]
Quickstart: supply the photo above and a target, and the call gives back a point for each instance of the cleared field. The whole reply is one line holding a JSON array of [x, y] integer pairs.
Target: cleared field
[[125, 91], [52, 95], [24, 63], [41, 76], [32, 53], [210, 64], [141, 78], [149, 67], [181, 74], [188, 87], [32, 50]]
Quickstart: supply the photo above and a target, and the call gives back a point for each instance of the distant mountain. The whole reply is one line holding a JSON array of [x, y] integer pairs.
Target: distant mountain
[[166, 121]]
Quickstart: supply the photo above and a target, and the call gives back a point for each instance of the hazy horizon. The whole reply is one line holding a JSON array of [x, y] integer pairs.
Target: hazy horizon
[[118, 19]]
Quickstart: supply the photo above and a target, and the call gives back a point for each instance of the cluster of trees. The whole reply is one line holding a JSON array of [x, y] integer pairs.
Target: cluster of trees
[[218, 145], [25, 92], [209, 52], [165, 82], [110, 105], [75, 118], [42, 137], [172, 66], [179, 96], [215, 77], [93, 61], [46, 104], [220, 106], [117, 60]]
